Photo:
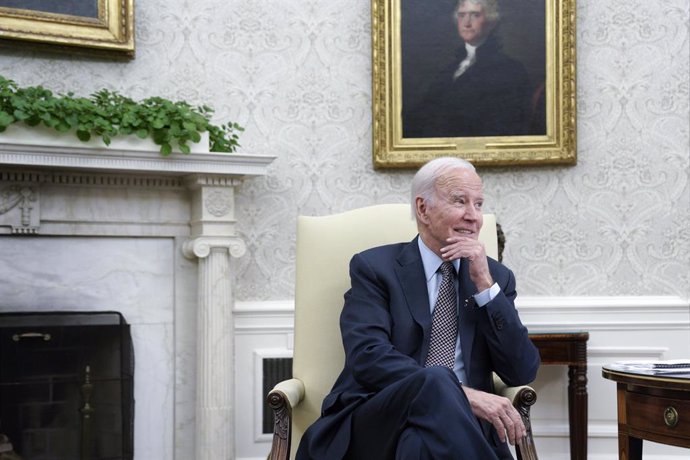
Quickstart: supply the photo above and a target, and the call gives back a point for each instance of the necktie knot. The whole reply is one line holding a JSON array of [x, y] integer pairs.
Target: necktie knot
[[447, 269]]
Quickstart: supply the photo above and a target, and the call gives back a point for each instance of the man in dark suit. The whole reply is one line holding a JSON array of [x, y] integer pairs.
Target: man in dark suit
[[482, 92], [417, 380]]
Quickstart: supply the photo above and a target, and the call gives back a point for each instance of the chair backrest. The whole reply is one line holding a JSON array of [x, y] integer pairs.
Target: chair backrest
[[325, 246]]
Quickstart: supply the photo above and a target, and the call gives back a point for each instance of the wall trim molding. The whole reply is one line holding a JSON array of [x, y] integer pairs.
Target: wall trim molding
[[258, 317], [523, 303], [613, 313], [559, 429], [538, 313], [599, 355], [599, 302]]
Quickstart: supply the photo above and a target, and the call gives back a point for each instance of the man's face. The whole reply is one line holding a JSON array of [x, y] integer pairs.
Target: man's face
[[473, 26], [455, 211]]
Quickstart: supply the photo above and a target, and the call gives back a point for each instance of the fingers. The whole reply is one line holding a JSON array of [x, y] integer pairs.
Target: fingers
[[510, 425], [459, 247], [472, 250], [498, 411]]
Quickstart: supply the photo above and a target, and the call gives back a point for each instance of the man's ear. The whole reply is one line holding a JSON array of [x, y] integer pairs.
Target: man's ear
[[421, 209]]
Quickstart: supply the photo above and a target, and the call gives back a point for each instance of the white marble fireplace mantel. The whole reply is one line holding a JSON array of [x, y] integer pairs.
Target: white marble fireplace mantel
[[133, 161], [152, 237]]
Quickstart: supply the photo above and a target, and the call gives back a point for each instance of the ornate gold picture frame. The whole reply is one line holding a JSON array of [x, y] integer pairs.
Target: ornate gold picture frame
[[415, 41], [105, 26]]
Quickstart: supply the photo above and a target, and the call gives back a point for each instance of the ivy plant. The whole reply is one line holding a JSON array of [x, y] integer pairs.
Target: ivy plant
[[107, 114]]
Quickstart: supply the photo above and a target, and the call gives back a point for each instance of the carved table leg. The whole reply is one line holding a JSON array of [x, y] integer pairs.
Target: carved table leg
[[577, 409]]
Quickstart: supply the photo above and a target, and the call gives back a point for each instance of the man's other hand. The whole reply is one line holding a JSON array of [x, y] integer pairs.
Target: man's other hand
[[498, 411]]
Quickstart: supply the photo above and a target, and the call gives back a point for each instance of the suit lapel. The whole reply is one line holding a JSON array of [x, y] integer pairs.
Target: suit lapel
[[410, 273]]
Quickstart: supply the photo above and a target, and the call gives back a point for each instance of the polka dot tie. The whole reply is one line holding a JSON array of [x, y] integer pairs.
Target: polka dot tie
[[444, 324]]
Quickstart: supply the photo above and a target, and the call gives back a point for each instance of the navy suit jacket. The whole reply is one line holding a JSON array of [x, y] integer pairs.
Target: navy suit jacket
[[386, 325]]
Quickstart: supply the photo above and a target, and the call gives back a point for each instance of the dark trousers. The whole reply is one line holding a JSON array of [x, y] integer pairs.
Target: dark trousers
[[424, 416]]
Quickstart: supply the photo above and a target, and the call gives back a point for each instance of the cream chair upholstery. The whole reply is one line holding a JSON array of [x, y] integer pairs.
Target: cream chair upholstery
[[325, 246]]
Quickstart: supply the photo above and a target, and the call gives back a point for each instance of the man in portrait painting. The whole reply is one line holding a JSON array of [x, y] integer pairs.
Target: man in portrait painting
[[482, 92]]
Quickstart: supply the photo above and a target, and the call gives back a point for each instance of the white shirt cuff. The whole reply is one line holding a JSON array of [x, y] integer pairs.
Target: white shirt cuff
[[487, 295]]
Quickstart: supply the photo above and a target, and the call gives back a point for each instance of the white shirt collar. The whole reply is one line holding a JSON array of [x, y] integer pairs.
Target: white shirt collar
[[431, 261]]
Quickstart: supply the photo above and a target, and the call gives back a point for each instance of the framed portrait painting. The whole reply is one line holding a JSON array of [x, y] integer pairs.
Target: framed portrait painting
[[99, 26], [491, 81]]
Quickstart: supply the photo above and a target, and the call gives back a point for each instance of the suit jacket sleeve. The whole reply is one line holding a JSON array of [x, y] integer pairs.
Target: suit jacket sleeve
[[512, 354]]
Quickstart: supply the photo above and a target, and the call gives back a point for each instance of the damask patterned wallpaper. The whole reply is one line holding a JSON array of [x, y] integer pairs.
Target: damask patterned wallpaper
[[297, 74]]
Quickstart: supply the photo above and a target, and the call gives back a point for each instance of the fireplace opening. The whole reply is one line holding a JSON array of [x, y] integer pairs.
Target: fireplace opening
[[67, 385]]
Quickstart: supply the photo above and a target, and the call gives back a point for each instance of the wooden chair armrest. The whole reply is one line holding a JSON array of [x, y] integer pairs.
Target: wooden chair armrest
[[282, 399], [523, 397]]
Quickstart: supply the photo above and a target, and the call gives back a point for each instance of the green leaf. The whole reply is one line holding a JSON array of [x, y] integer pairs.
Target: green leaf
[[166, 149], [6, 119], [160, 136], [20, 115], [62, 127], [83, 136]]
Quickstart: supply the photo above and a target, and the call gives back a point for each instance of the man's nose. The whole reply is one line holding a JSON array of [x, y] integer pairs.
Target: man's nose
[[471, 213]]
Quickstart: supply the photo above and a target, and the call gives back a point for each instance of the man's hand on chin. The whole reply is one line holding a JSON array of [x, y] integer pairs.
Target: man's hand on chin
[[473, 250]]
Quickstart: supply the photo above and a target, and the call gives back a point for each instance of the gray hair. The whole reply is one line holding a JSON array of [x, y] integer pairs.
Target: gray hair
[[490, 8], [424, 181]]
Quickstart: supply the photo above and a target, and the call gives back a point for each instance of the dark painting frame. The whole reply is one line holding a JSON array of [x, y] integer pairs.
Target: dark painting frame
[[101, 26], [412, 40]]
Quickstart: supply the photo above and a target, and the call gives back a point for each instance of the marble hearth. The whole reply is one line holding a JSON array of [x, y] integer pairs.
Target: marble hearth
[[152, 238]]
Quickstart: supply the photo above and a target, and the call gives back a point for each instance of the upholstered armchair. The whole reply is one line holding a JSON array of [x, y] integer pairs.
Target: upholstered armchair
[[324, 248]]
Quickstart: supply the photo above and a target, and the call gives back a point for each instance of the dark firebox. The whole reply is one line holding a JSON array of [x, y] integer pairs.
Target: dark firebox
[[66, 385]]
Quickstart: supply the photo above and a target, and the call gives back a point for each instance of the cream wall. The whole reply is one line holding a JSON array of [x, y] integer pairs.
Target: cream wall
[[612, 230]]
